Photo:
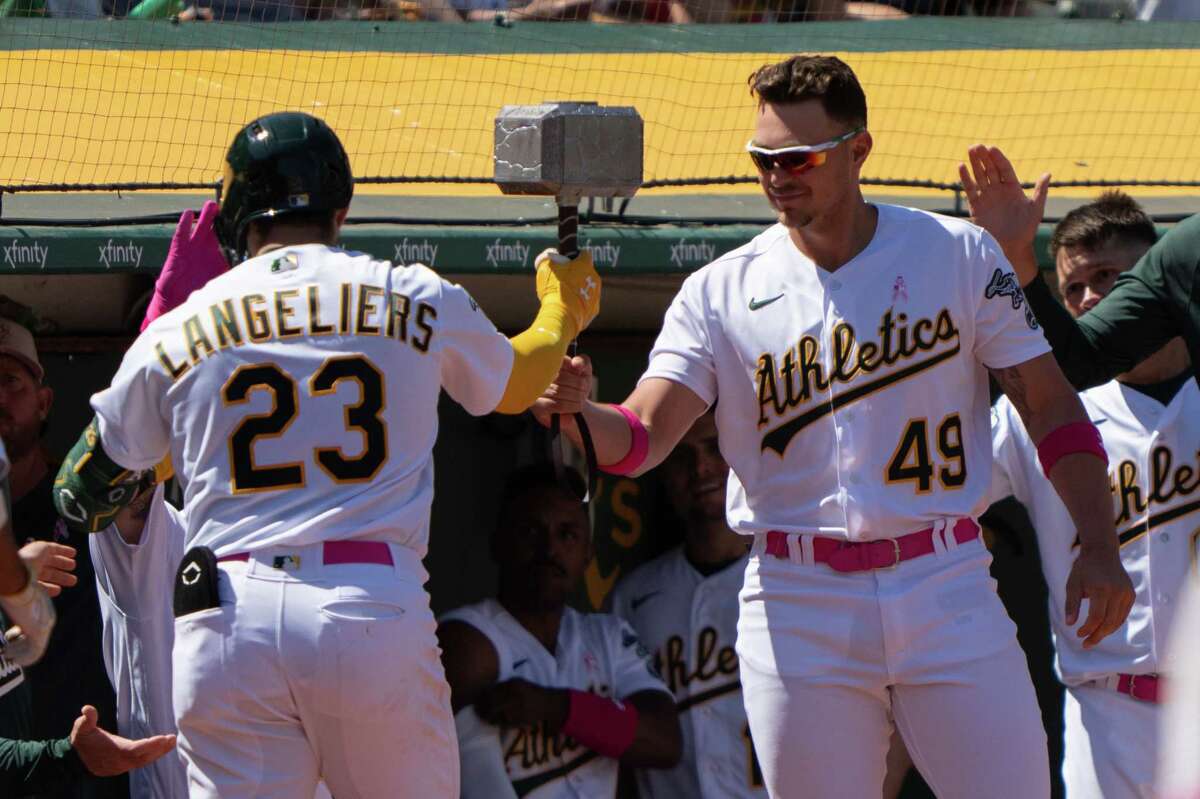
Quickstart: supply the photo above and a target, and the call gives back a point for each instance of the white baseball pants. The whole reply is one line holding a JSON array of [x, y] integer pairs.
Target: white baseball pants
[[1110, 744], [313, 671], [829, 660]]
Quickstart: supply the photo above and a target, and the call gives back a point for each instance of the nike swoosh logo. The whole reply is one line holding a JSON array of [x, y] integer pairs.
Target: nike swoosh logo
[[756, 304], [637, 603], [520, 663], [1100, 421]]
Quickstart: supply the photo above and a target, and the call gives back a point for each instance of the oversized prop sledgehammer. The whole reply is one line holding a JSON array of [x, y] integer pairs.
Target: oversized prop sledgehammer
[[569, 150]]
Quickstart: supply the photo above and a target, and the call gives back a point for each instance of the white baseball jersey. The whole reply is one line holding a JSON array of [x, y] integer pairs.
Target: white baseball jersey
[[297, 395], [854, 403], [136, 583], [1154, 473], [596, 652], [11, 674], [689, 622]]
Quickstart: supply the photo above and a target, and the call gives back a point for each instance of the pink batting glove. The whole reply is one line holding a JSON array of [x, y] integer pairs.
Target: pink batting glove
[[194, 259]]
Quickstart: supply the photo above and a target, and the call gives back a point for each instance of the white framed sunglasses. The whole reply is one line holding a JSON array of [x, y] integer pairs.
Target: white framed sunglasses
[[799, 158]]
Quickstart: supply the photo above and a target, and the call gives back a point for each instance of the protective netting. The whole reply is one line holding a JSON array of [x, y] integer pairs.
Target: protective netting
[[149, 101]]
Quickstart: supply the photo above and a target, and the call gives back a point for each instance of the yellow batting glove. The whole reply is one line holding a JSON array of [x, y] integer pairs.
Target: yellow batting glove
[[573, 282]]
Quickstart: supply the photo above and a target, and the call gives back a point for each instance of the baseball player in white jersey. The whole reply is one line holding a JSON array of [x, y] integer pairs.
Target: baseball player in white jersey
[[297, 395], [681, 606], [849, 346], [549, 700], [1149, 419]]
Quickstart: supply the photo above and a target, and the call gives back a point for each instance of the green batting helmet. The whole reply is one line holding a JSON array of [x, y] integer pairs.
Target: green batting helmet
[[281, 164]]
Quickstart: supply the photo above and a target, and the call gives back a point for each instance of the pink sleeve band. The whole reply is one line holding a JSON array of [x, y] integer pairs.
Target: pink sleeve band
[[639, 445], [1068, 440], [602, 725]]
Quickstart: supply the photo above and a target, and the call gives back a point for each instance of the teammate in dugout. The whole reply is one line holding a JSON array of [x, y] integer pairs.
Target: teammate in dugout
[[680, 606], [849, 345], [304, 644], [548, 700], [1148, 419]]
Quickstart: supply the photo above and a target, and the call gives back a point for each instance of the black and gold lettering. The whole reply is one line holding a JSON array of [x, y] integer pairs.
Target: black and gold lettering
[[767, 392], [366, 309], [284, 312], [197, 339], [421, 342], [174, 371], [344, 315], [315, 328], [225, 324], [258, 323], [397, 321]]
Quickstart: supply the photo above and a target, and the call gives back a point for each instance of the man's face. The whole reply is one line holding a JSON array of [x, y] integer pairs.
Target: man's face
[[24, 405], [544, 546], [1086, 276], [695, 473], [801, 198]]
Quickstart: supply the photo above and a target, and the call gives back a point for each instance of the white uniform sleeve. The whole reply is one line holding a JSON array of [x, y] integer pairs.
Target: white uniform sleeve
[[480, 758], [1006, 331], [683, 352], [476, 359], [633, 665], [1001, 486], [133, 430], [1012, 451]]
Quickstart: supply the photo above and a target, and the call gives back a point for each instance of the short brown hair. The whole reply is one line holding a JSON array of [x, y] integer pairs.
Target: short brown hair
[[813, 77], [1114, 215]]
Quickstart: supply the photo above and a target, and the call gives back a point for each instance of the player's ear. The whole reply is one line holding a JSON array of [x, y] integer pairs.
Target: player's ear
[[861, 147], [339, 219], [45, 396]]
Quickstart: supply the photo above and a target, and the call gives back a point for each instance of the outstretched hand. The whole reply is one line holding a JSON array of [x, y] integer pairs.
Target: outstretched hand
[[1000, 206], [107, 755]]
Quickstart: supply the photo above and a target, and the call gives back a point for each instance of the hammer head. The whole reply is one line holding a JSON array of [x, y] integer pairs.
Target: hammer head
[[569, 150]]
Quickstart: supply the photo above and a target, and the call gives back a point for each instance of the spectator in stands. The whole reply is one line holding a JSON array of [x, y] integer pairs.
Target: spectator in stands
[[551, 688], [71, 674]]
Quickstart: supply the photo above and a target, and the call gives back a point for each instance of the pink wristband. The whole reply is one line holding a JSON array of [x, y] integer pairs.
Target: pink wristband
[[600, 724], [1067, 440], [639, 445]]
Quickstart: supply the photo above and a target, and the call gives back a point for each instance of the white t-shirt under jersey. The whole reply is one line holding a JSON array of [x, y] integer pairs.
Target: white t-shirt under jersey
[[853, 403], [297, 396], [135, 583]]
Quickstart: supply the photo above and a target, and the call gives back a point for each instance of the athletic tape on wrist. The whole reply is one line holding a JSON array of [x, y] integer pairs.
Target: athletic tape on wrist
[[600, 724], [1068, 440], [639, 444]]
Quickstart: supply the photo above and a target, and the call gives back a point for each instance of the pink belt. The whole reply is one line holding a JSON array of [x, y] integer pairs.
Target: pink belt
[[857, 556], [336, 552], [1143, 687]]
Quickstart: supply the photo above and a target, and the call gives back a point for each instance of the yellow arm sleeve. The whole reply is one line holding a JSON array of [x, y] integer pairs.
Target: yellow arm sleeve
[[537, 356]]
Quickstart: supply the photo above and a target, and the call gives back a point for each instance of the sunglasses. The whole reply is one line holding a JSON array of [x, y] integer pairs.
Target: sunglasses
[[799, 159]]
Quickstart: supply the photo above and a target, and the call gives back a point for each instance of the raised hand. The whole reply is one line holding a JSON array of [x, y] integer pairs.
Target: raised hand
[[1000, 206], [194, 259]]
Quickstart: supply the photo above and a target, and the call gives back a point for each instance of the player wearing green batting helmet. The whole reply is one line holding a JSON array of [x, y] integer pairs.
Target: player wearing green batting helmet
[[286, 164]]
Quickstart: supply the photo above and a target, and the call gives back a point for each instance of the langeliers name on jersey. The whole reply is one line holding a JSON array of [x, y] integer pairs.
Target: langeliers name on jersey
[[360, 309], [789, 380]]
